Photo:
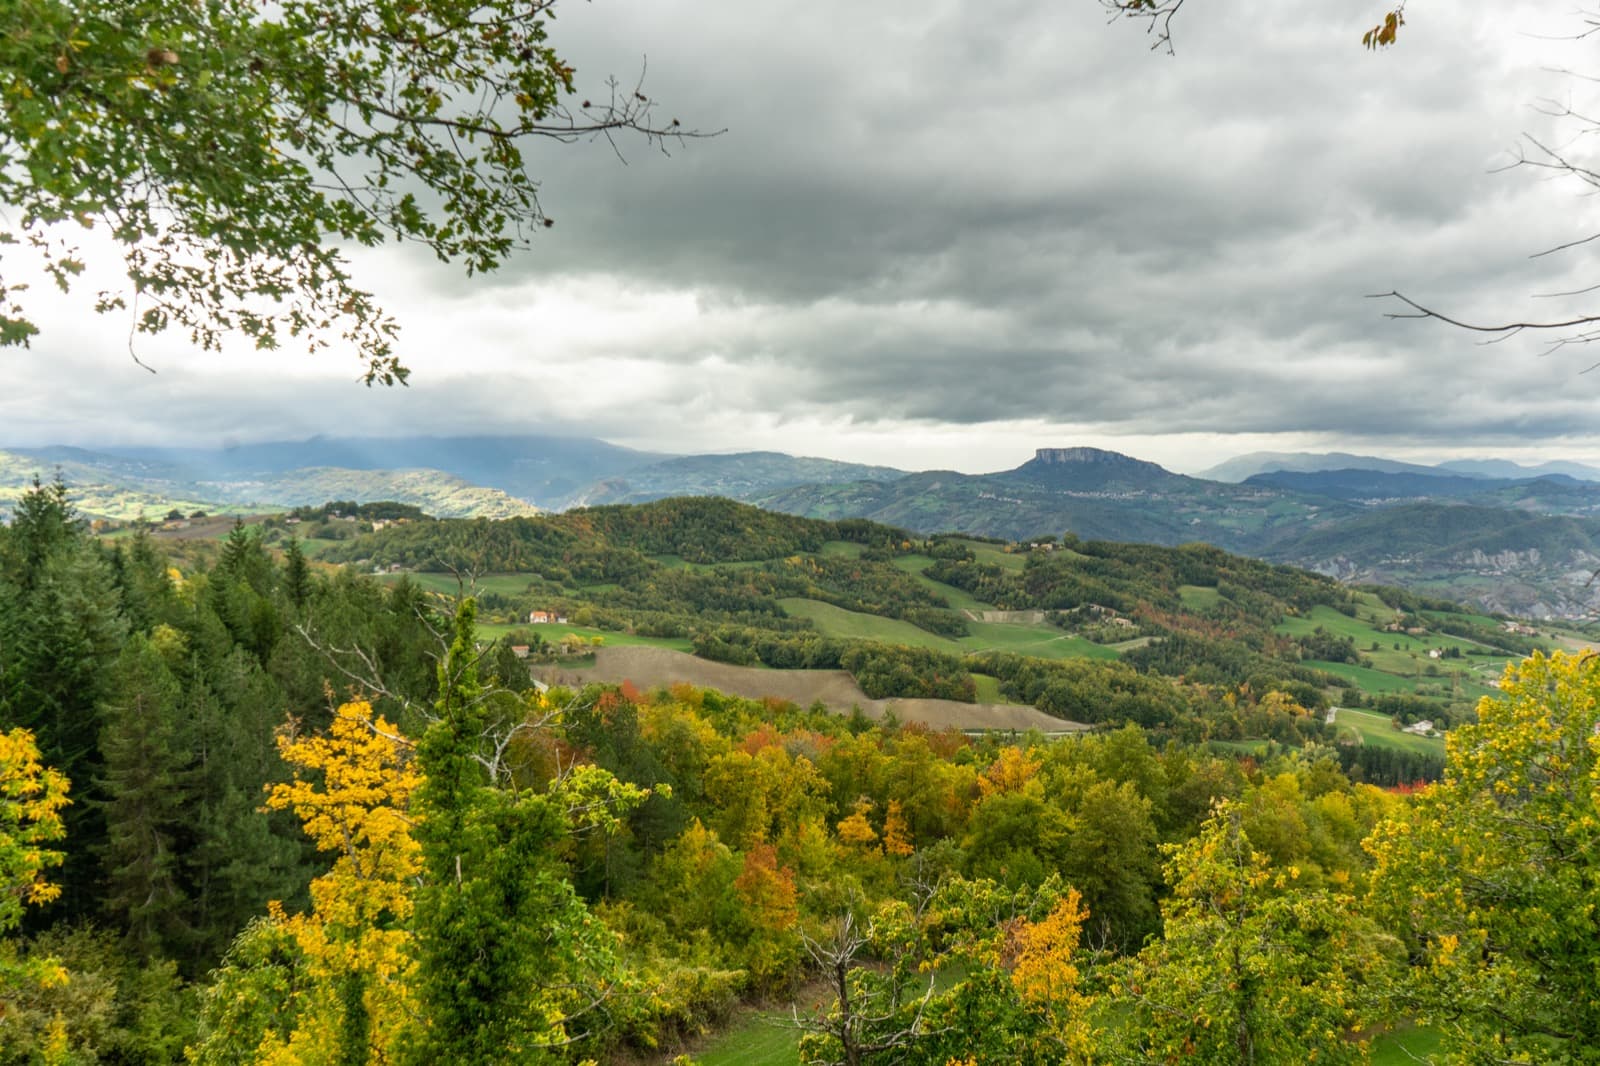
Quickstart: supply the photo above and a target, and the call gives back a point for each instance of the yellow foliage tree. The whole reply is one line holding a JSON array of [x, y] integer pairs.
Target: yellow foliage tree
[[351, 790], [1047, 981], [31, 798], [1011, 772], [855, 830], [1491, 877], [896, 831]]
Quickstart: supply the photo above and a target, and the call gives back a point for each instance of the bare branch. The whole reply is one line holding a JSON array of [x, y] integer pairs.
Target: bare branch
[[1507, 328], [1157, 13]]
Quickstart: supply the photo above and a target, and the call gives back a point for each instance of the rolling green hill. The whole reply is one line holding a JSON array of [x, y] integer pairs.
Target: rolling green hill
[[749, 586]]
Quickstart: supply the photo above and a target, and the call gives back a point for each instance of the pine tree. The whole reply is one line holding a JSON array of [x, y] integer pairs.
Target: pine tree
[[147, 789], [296, 574], [506, 952]]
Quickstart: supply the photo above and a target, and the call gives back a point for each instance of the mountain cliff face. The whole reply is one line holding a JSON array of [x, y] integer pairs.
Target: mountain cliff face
[[1090, 468]]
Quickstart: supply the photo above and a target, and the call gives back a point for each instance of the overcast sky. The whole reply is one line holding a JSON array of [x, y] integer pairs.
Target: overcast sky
[[942, 233]]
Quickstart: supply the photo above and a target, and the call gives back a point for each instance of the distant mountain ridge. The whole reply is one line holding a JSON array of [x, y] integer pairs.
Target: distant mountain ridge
[[540, 469], [737, 476], [1375, 485], [1503, 468], [1244, 467], [1526, 545]]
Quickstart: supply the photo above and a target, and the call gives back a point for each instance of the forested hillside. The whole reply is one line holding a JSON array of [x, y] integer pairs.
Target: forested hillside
[[947, 616], [296, 816]]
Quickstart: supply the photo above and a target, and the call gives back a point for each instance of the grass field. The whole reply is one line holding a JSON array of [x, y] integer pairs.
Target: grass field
[[678, 562], [756, 1040], [960, 599], [1402, 656], [1198, 597], [1371, 608], [991, 554], [989, 689], [854, 625], [1375, 729], [1365, 679], [1043, 641], [552, 633]]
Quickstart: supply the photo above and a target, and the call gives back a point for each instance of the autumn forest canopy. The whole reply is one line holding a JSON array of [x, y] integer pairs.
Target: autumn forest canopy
[[351, 786], [257, 807]]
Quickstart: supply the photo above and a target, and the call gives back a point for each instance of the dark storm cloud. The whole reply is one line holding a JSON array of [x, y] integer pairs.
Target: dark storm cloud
[[950, 212]]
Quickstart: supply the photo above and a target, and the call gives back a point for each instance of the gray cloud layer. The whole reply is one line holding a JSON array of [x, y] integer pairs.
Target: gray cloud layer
[[970, 215]]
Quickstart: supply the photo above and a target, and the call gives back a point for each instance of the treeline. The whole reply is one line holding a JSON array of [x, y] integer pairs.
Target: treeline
[[1209, 660], [1389, 767], [374, 511], [158, 694], [726, 593], [1426, 611], [672, 853], [1092, 691], [884, 671], [1142, 579], [701, 530]]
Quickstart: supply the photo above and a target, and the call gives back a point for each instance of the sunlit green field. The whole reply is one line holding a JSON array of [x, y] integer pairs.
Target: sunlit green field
[[960, 599], [553, 632], [1041, 640], [1377, 730]]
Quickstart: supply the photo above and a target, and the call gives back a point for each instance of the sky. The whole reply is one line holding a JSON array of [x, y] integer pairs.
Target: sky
[[941, 234]]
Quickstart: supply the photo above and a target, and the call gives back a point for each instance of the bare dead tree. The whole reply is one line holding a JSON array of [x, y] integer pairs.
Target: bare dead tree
[[876, 1015], [360, 668]]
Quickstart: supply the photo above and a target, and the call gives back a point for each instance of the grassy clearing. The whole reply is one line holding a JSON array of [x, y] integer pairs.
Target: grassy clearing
[[1365, 679], [678, 562], [1240, 747], [1198, 597], [992, 554], [756, 1040], [960, 599], [843, 549], [1043, 641], [1403, 655], [853, 625], [553, 632], [1378, 731], [1371, 608], [989, 689], [1405, 1047], [1128, 645], [1464, 616]]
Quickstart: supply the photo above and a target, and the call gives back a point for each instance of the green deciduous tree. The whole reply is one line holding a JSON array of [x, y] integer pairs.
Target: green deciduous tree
[[508, 957], [224, 147]]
